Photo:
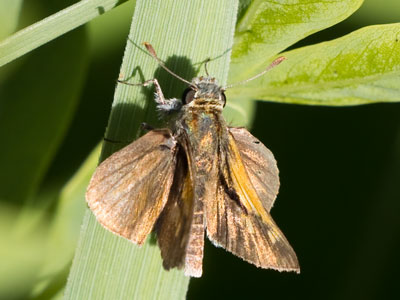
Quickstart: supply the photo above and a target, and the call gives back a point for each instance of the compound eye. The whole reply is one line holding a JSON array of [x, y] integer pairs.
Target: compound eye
[[188, 96], [223, 98]]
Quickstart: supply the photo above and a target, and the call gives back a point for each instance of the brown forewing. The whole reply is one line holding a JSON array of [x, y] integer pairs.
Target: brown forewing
[[260, 165], [239, 221], [130, 188]]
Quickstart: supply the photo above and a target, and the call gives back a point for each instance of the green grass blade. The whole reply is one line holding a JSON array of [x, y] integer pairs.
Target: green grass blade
[[184, 34], [269, 27], [361, 67], [51, 27]]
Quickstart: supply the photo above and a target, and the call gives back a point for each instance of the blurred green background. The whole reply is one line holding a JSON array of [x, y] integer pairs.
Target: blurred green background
[[339, 202]]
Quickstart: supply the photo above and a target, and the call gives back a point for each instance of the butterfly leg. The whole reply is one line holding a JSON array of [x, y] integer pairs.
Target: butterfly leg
[[163, 105]]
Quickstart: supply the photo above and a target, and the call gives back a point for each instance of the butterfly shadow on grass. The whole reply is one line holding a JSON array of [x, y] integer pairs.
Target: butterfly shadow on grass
[[131, 116]]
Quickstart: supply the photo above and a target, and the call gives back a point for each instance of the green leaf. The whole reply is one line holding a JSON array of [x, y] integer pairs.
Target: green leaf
[[361, 67], [107, 266], [239, 111], [51, 27], [268, 27]]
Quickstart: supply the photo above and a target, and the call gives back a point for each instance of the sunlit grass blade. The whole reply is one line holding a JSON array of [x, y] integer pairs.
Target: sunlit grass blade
[[51, 27], [184, 34]]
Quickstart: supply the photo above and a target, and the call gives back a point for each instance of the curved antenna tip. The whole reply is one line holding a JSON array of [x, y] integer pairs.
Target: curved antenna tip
[[276, 62], [150, 48], [153, 53]]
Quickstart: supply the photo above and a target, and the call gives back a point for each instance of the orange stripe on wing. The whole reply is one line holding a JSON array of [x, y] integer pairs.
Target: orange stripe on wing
[[242, 184]]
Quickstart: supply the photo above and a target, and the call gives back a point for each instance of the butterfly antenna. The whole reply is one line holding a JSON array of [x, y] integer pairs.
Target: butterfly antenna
[[272, 65], [153, 53], [205, 66]]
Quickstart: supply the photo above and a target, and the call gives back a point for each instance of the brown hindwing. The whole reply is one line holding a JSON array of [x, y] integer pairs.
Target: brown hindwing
[[130, 188], [248, 236], [180, 228], [173, 226], [239, 221]]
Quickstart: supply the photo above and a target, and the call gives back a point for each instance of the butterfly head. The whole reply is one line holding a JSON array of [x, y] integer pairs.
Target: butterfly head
[[204, 91]]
